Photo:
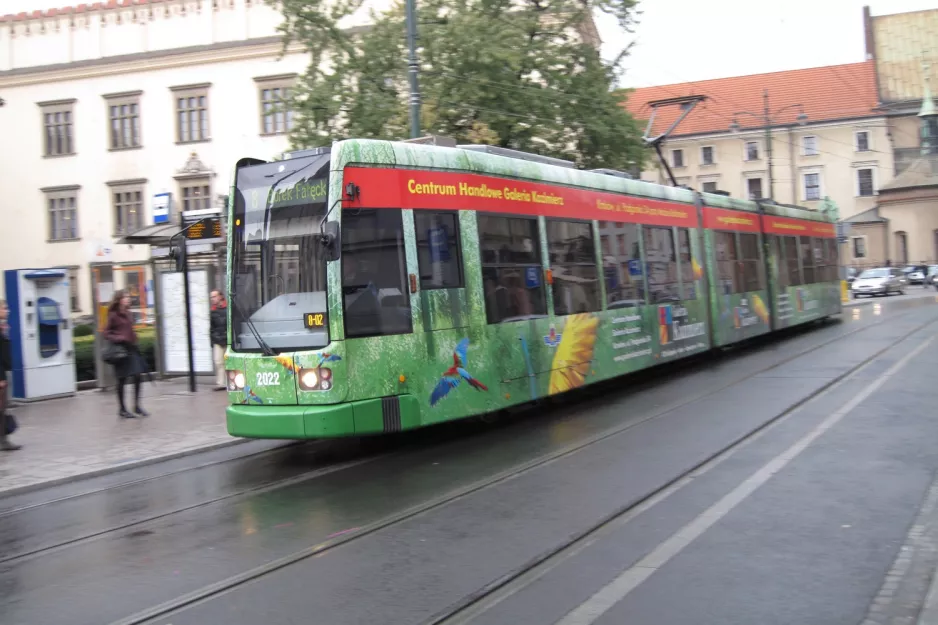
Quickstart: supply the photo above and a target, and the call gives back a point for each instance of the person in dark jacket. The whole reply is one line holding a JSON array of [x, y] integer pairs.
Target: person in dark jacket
[[218, 331], [6, 365], [120, 331]]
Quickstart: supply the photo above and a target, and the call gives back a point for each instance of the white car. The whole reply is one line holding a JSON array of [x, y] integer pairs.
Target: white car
[[879, 281]]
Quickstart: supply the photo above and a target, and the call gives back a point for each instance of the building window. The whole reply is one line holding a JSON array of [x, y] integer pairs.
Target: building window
[[196, 194], [438, 254], [73, 290], [62, 204], [752, 151], [706, 155], [275, 104], [127, 202], [191, 113], [754, 188], [677, 158], [123, 112], [709, 187], [812, 190], [809, 145], [573, 267], [863, 141], [58, 122], [865, 182], [859, 247]]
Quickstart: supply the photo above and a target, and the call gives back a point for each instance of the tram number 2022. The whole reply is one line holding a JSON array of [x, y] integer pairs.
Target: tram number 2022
[[268, 378]]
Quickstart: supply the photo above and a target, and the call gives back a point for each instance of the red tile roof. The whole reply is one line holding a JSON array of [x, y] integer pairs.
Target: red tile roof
[[79, 8], [828, 93]]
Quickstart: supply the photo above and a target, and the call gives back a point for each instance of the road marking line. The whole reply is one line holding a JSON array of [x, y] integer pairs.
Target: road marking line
[[630, 579]]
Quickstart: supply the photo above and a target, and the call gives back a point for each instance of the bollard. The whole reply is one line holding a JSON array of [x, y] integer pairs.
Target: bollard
[[844, 295]]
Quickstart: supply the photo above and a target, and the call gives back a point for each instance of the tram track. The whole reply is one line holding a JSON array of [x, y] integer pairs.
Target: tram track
[[532, 569], [645, 380]]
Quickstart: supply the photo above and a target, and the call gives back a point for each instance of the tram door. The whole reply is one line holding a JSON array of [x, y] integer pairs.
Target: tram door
[[442, 299]]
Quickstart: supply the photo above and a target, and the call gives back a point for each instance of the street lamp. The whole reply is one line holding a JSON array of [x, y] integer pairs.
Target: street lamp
[[767, 120]]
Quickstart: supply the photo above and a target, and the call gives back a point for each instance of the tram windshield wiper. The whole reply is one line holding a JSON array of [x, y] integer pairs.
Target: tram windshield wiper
[[265, 348]]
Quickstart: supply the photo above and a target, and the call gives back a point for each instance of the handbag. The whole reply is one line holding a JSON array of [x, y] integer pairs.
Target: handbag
[[114, 353]]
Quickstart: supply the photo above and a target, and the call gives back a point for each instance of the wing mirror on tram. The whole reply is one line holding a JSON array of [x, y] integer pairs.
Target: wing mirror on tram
[[330, 238]]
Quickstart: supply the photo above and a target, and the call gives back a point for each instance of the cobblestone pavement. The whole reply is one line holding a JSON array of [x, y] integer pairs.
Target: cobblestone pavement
[[82, 435]]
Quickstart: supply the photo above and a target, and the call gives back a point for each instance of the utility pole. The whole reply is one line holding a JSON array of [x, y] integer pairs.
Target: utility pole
[[766, 117], [768, 141], [412, 69]]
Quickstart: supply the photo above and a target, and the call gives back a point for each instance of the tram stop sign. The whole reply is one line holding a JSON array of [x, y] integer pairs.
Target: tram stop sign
[[843, 229]]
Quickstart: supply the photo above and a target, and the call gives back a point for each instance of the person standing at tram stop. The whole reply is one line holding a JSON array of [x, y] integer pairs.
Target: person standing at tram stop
[[218, 331], [6, 365], [120, 331]]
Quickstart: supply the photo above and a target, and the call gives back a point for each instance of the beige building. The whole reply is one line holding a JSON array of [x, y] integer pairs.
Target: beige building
[[108, 107], [796, 136], [860, 134], [903, 227]]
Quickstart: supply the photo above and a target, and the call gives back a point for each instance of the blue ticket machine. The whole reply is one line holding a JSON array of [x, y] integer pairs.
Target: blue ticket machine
[[40, 333]]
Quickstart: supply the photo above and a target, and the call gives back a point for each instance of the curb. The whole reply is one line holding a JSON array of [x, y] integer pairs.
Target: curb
[[929, 613], [124, 466]]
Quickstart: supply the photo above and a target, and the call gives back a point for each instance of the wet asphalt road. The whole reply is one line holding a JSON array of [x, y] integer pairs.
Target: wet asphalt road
[[876, 470]]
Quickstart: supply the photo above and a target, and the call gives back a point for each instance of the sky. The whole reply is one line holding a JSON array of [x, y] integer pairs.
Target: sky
[[686, 40]]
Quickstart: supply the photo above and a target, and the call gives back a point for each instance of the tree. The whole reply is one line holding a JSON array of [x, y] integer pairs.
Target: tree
[[514, 73]]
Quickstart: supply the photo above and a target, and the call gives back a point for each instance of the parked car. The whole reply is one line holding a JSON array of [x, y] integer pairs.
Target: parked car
[[915, 273], [878, 281]]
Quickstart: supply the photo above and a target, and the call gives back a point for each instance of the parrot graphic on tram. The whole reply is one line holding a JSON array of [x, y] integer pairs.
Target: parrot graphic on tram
[[453, 376]]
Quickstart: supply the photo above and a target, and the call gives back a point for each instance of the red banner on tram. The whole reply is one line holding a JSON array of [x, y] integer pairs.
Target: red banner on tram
[[724, 219], [799, 227], [418, 189]]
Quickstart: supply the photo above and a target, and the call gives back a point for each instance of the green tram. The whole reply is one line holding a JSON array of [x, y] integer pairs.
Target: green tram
[[380, 286]]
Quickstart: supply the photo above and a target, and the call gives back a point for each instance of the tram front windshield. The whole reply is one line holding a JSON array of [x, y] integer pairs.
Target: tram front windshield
[[278, 262]]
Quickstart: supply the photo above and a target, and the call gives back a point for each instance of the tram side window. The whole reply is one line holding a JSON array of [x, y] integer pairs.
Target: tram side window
[[777, 251], [376, 299], [438, 249], [750, 263], [790, 244], [822, 260], [573, 265], [807, 259], [726, 257], [687, 267], [512, 273], [622, 266], [833, 261], [662, 265]]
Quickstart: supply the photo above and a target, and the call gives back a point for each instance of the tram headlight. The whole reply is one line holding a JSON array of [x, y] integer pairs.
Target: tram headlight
[[235, 380], [318, 379], [309, 381]]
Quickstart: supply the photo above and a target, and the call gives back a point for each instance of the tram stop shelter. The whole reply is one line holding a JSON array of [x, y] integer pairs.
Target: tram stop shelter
[[206, 271]]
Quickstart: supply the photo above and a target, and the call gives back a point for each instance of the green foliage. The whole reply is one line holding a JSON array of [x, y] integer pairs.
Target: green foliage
[[84, 353], [82, 330], [512, 73]]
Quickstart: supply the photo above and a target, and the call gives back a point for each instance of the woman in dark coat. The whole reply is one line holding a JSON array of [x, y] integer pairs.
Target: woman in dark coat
[[6, 365], [120, 331]]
